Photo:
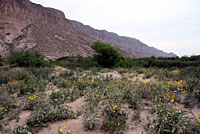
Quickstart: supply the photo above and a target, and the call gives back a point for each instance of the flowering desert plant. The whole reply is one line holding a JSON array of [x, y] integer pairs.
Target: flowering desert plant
[[46, 112], [172, 121]]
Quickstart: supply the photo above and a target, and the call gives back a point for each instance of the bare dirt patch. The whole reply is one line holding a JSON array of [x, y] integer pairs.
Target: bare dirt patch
[[22, 120], [75, 125], [141, 77], [58, 70], [113, 74], [76, 105]]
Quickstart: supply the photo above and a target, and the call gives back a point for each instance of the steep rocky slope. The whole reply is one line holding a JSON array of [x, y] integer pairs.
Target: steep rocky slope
[[131, 46], [28, 26], [25, 25], [53, 41]]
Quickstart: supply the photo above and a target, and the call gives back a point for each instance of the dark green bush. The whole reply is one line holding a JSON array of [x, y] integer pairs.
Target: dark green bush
[[108, 56], [28, 59]]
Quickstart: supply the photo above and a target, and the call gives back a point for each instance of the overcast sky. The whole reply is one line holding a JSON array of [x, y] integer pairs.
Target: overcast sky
[[169, 25]]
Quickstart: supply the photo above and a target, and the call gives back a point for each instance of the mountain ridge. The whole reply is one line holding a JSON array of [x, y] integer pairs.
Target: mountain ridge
[[21, 21], [122, 42]]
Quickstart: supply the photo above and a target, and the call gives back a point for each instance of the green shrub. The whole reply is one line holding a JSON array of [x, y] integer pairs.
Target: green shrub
[[108, 56], [28, 59]]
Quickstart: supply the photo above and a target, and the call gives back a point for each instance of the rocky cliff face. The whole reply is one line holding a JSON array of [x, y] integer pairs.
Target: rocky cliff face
[[25, 25], [130, 46], [16, 14], [28, 26], [27, 12]]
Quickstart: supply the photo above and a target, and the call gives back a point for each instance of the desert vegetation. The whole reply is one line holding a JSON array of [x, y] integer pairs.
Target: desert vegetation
[[27, 59], [77, 95]]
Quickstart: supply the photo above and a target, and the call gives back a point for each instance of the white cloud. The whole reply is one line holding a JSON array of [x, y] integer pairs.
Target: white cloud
[[154, 22]]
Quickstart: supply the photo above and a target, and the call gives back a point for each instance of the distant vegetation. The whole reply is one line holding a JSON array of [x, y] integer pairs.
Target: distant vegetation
[[109, 56], [74, 62], [106, 57], [88, 62], [163, 62], [28, 59]]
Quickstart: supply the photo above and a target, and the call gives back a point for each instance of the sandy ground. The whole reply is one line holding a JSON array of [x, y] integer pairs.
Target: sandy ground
[[113, 74], [76, 126], [22, 120]]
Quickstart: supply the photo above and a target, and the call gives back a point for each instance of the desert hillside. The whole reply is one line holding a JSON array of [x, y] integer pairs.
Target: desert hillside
[[28, 26]]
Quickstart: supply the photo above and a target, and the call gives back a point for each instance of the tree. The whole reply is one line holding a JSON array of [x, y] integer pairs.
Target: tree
[[107, 56]]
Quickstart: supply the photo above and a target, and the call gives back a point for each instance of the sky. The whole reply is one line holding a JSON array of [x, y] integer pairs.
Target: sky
[[169, 25]]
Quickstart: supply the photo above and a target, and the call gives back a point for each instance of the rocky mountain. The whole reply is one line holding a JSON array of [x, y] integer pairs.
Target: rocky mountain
[[130, 46], [28, 26]]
